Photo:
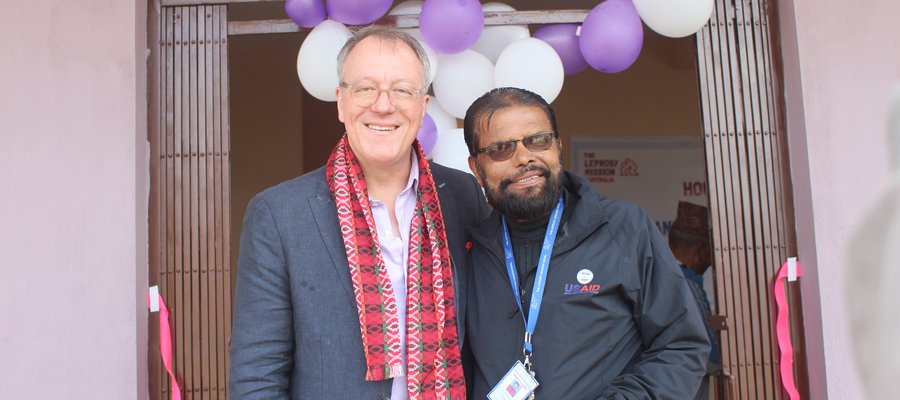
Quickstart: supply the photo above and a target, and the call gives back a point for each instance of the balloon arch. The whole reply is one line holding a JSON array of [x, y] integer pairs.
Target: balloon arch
[[468, 58]]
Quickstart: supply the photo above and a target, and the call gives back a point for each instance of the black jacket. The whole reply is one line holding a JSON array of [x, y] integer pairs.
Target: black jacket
[[631, 332]]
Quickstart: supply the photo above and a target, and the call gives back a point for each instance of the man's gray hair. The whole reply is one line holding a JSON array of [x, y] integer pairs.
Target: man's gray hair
[[390, 34]]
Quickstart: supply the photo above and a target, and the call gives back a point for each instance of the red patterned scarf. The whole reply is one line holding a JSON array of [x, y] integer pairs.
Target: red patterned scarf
[[434, 367]]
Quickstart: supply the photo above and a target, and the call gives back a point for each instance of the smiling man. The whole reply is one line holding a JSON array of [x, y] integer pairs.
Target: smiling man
[[351, 278], [570, 291]]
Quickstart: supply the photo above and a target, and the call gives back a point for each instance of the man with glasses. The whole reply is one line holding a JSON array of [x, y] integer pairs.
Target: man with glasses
[[351, 278], [571, 292]]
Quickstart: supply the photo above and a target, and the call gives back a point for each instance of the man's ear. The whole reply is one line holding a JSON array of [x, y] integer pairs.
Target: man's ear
[[337, 95], [697, 254], [474, 168]]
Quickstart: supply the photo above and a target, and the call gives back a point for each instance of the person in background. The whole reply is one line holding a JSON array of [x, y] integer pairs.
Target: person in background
[[576, 290], [351, 278], [689, 240]]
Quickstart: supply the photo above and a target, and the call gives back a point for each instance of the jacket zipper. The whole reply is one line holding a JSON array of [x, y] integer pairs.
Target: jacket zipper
[[520, 341]]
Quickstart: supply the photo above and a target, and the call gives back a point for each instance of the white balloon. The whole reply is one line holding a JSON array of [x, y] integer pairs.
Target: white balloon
[[674, 18], [531, 64], [451, 151], [463, 77], [442, 120], [317, 59], [494, 39], [414, 7]]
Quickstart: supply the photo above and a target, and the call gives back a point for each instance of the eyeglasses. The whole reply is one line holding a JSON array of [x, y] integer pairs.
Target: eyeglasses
[[366, 94], [502, 151]]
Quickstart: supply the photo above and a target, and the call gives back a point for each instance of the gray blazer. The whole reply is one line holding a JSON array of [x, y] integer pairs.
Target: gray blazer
[[296, 329]]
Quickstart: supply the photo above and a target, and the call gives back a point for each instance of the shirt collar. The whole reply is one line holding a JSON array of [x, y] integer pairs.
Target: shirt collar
[[413, 180], [690, 274]]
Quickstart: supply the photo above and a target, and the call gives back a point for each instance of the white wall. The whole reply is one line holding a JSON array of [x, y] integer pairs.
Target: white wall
[[840, 62], [73, 203]]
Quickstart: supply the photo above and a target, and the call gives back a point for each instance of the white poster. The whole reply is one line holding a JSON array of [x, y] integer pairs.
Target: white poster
[[654, 172]]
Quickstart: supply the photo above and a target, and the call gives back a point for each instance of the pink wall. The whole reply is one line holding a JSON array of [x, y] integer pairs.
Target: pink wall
[[73, 209], [840, 63]]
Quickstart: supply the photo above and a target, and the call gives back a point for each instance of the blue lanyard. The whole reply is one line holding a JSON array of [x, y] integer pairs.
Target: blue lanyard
[[537, 293]]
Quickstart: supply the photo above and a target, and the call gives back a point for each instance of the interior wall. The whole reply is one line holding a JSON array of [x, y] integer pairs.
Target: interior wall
[[267, 121], [321, 130], [74, 204]]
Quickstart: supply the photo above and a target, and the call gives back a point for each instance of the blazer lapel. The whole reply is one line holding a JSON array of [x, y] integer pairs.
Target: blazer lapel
[[325, 213], [448, 211]]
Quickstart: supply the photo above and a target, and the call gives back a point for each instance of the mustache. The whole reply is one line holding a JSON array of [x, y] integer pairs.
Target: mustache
[[544, 171]]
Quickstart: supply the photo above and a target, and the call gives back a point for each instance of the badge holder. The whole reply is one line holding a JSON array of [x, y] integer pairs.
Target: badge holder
[[517, 384]]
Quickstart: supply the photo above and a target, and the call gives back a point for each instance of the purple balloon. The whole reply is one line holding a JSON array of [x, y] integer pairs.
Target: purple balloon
[[306, 13], [612, 36], [451, 26], [357, 12], [427, 134], [563, 39]]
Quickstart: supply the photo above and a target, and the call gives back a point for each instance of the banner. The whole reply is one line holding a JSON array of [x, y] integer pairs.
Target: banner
[[654, 172]]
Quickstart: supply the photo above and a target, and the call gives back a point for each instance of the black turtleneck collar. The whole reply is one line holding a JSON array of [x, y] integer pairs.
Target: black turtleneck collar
[[528, 230]]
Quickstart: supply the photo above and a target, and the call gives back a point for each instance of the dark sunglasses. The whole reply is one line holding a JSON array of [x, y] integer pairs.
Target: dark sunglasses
[[502, 151]]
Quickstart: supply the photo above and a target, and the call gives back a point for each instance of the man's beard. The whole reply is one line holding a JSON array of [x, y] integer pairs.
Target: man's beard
[[530, 204]]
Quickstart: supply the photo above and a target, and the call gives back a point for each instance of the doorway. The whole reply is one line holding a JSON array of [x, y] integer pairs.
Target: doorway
[[259, 128]]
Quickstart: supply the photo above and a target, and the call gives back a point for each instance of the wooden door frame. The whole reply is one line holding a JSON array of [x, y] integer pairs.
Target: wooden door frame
[[154, 37]]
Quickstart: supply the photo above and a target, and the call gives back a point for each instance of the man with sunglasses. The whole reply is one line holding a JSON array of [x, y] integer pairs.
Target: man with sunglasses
[[351, 277], [571, 292]]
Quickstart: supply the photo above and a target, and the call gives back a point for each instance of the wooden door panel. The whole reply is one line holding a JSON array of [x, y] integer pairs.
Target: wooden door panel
[[751, 233], [190, 227]]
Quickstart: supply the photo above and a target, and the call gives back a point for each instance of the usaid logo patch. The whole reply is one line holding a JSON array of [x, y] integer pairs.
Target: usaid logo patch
[[584, 278]]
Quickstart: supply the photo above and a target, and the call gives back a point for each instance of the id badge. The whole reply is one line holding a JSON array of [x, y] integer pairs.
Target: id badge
[[517, 384]]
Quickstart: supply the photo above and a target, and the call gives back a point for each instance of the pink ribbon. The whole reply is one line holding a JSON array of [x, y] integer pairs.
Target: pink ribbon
[[783, 332], [165, 344]]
